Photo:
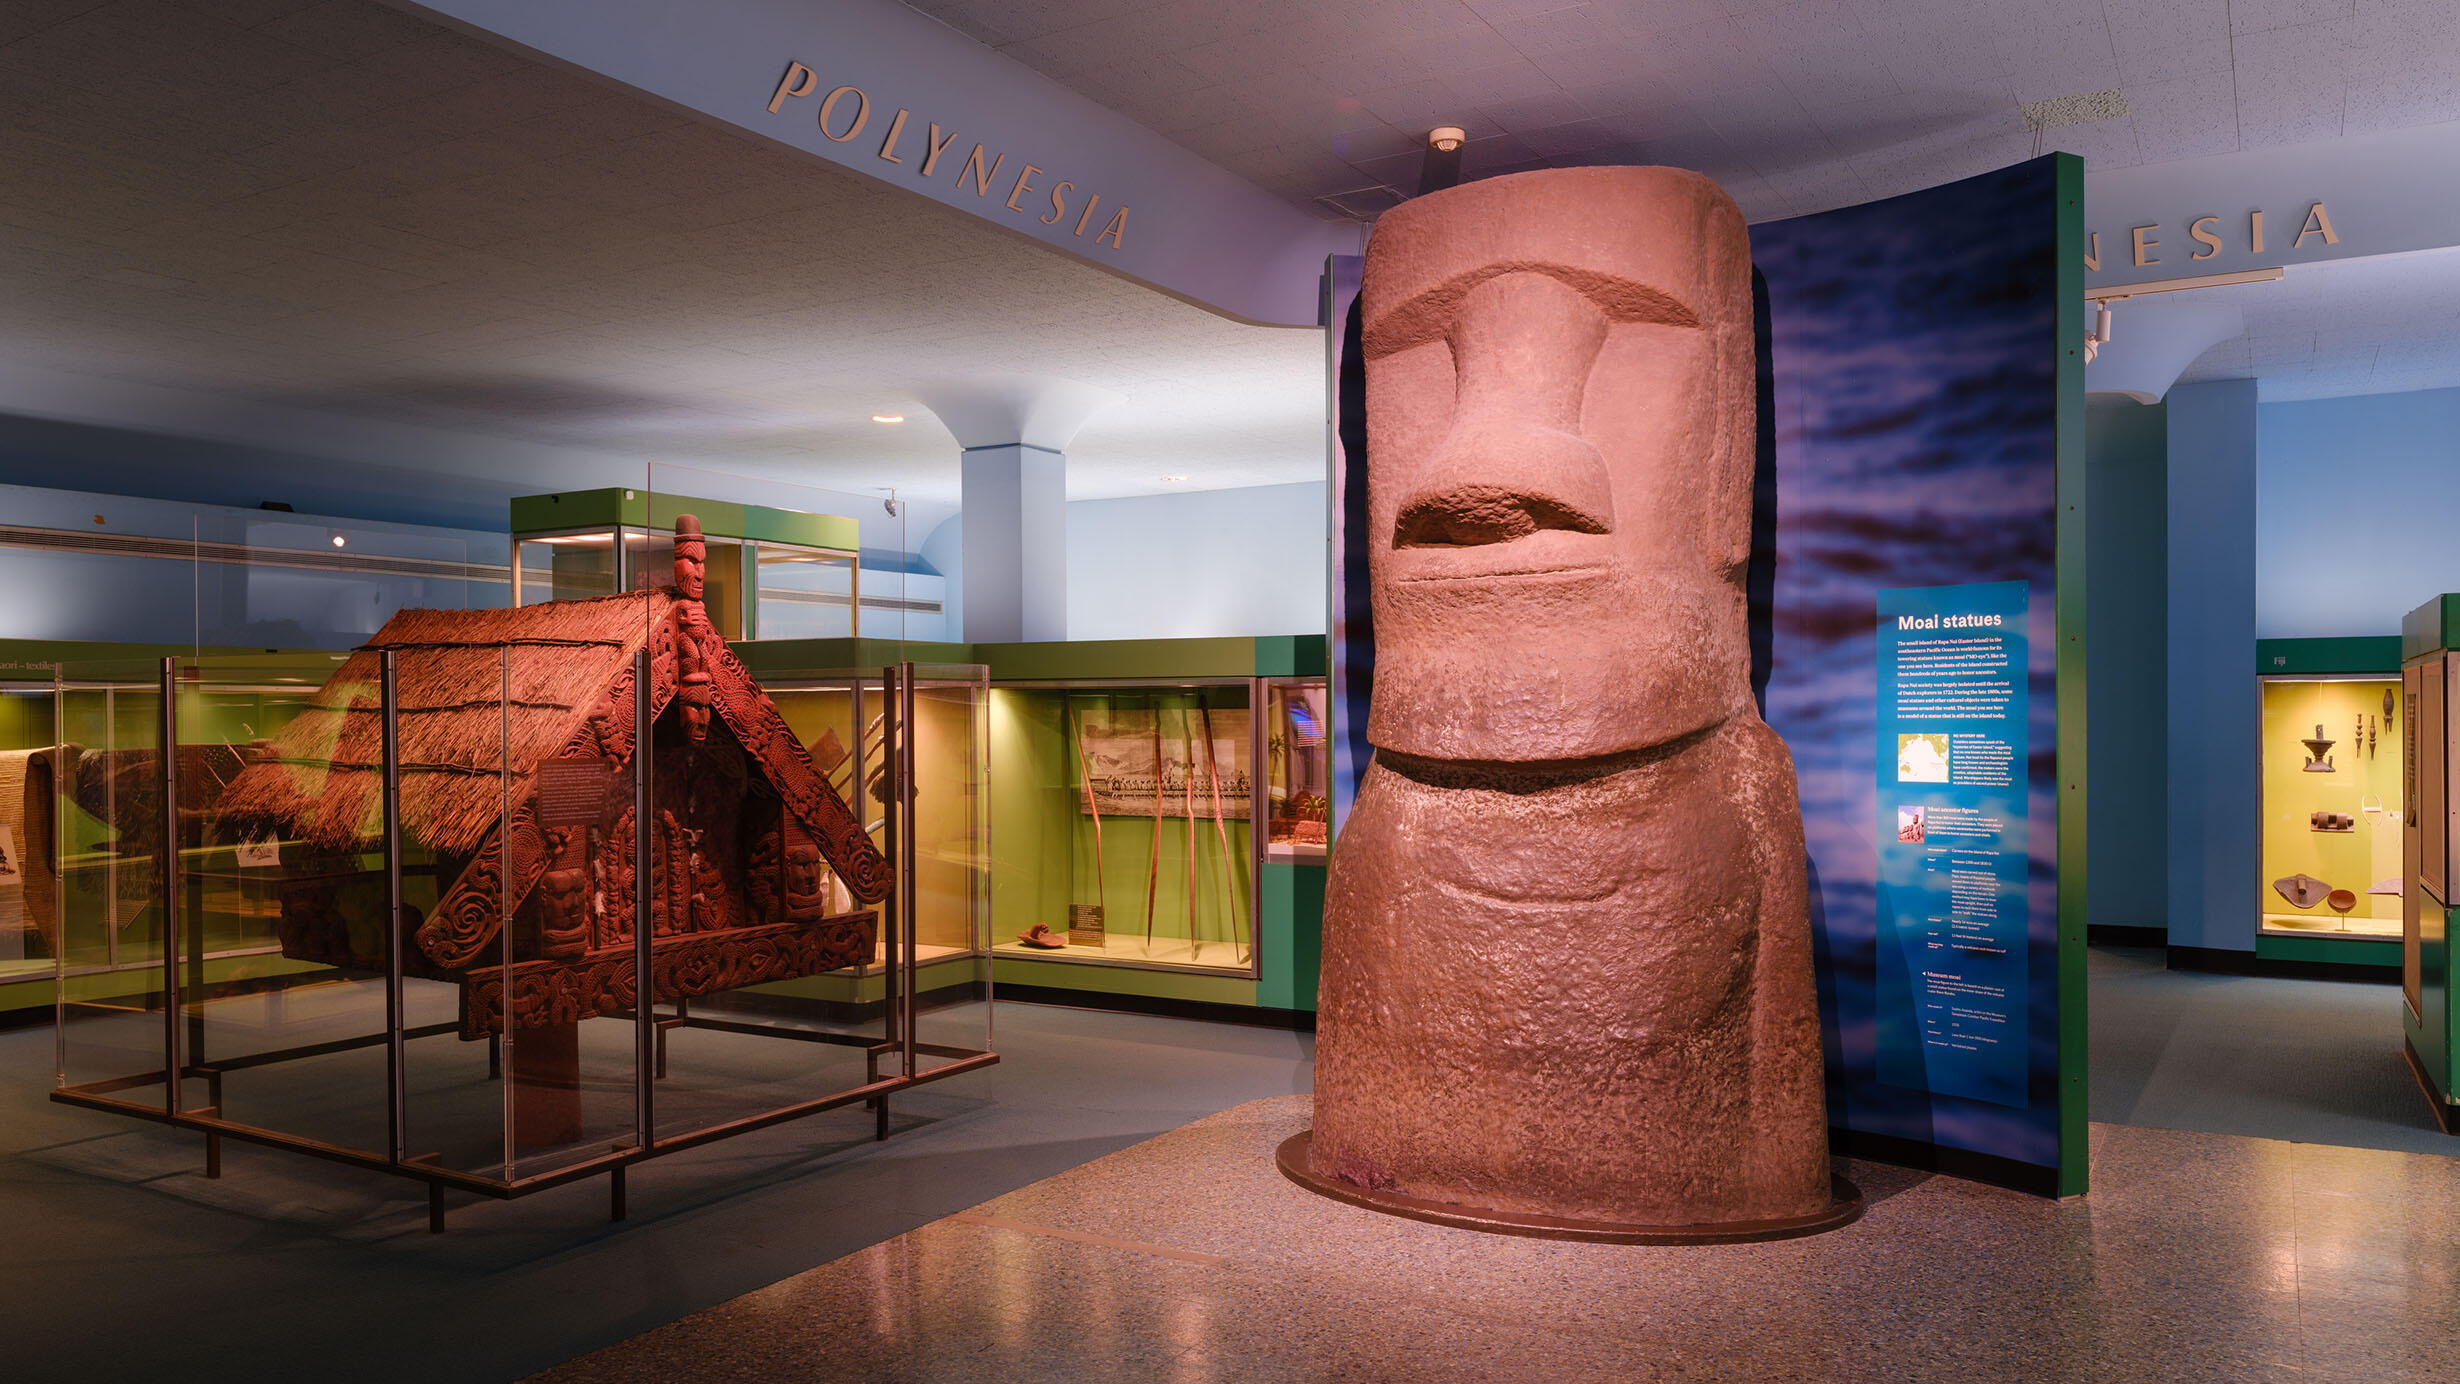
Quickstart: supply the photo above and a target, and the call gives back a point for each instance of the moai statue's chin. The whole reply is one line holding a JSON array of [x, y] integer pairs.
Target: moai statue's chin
[[1567, 954]]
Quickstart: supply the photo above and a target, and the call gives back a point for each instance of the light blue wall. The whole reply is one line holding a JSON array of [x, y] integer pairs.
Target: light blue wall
[[2358, 507], [1210, 563], [2212, 723], [194, 471], [944, 551], [1250, 561], [2127, 674], [180, 600]]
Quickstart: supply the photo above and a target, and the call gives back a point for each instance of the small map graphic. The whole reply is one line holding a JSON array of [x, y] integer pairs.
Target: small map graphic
[[1922, 758]]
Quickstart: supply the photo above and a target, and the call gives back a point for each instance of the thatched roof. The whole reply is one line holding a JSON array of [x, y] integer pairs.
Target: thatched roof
[[479, 690]]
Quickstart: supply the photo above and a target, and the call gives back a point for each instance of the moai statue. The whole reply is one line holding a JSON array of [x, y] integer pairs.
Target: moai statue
[[1567, 951]]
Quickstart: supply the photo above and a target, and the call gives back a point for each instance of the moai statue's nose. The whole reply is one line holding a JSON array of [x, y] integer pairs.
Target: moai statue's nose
[[1514, 461]]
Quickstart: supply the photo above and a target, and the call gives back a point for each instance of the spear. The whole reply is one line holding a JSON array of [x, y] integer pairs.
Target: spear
[[1085, 774], [1153, 865], [1212, 775], [1195, 945]]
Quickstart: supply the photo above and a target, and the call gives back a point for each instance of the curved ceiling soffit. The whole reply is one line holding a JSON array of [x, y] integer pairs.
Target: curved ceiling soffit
[[2152, 343], [897, 97], [1000, 410]]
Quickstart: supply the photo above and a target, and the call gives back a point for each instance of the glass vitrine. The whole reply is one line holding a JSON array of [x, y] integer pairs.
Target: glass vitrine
[[29, 906], [2333, 805], [472, 910], [771, 573], [87, 810], [841, 718], [1297, 769], [1124, 823]]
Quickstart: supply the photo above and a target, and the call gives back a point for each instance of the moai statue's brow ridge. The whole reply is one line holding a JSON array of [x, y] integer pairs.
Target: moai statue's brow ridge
[[1427, 316]]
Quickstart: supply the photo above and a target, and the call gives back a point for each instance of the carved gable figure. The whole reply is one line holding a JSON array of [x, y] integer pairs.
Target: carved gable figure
[[757, 866]]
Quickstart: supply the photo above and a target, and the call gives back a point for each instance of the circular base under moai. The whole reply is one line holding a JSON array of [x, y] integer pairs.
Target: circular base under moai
[[1844, 1206]]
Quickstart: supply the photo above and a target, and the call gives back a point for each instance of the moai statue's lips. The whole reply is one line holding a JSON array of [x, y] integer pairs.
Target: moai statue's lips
[[1485, 532], [1548, 555], [1473, 515]]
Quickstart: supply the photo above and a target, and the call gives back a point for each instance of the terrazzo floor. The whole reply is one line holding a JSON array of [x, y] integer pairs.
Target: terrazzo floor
[[1188, 1257]]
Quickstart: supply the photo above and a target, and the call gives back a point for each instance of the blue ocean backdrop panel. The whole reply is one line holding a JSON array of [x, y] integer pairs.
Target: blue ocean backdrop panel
[[1912, 383]]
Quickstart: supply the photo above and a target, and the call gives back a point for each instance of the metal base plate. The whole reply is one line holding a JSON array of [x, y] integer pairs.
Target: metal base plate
[[1844, 1206]]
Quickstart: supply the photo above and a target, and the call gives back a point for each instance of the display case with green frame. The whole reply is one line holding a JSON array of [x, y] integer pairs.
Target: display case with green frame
[[772, 573], [2333, 801], [28, 923], [1157, 821], [69, 882], [2430, 991], [829, 692], [1133, 802]]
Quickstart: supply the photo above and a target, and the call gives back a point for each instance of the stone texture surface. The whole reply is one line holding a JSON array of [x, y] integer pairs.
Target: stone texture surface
[[1567, 965]]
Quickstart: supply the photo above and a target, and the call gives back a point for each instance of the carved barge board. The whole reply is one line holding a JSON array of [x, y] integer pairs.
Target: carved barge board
[[766, 738], [683, 966]]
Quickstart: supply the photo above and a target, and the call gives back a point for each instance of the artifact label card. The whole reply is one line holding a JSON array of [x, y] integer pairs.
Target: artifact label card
[[1952, 840], [573, 792]]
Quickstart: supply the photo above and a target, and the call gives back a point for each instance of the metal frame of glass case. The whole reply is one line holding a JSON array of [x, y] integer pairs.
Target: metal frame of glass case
[[371, 1035], [69, 819], [640, 556], [1009, 947], [1184, 830]]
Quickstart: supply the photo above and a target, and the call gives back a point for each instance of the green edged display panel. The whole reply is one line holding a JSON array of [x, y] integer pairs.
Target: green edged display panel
[[1260, 929], [1123, 825], [2430, 1026], [2334, 801]]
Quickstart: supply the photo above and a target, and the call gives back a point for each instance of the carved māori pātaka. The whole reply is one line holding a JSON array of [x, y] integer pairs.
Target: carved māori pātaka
[[517, 735]]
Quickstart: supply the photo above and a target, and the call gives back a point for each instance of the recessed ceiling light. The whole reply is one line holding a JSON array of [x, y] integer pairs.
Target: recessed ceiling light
[[338, 540], [1174, 479], [888, 418], [1446, 138]]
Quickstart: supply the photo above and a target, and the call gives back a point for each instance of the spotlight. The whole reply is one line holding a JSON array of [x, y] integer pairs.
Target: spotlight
[[339, 541], [1446, 138]]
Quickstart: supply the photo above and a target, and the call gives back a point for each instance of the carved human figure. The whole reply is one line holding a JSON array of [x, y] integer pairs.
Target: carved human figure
[[806, 882], [693, 632], [764, 873], [1567, 966], [563, 921]]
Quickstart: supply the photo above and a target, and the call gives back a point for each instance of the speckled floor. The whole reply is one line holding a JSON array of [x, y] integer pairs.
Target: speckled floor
[[1188, 1257]]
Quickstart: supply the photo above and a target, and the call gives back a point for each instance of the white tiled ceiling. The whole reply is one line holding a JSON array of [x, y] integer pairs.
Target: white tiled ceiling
[[334, 205], [1795, 105], [331, 205], [2380, 325]]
